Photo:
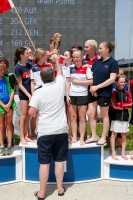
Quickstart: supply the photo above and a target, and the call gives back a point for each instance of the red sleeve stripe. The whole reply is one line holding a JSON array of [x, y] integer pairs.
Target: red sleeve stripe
[[127, 105], [114, 103]]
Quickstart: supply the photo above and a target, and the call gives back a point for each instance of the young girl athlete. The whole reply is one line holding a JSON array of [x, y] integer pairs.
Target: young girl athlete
[[120, 102], [13, 83], [7, 105], [22, 72]]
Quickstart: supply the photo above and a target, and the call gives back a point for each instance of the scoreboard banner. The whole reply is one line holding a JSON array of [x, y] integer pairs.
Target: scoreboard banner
[[76, 20]]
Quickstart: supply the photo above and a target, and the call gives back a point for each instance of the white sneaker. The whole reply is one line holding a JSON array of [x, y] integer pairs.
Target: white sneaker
[[8, 151], [2, 151]]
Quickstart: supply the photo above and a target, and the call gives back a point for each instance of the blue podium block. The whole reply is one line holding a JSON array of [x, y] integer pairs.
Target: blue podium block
[[121, 172], [7, 175], [118, 169], [11, 167], [85, 163], [31, 165]]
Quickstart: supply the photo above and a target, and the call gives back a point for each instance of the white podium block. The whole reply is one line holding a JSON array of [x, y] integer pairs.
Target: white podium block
[[11, 166], [118, 169]]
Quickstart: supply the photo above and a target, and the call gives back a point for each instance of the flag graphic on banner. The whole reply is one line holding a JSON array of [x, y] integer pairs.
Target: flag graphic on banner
[[6, 5]]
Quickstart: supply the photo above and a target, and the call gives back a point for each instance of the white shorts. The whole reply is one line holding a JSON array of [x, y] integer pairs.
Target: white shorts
[[119, 126]]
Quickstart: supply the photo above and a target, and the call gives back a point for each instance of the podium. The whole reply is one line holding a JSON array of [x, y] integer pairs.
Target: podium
[[11, 167], [85, 163], [121, 169]]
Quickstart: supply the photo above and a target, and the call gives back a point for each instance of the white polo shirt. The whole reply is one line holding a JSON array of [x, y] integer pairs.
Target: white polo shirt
[[81, 74], [35, 73], [49, 102]]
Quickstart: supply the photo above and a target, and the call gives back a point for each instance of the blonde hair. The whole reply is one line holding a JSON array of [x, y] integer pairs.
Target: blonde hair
[[80, 52], [40, 52], [93, 43]]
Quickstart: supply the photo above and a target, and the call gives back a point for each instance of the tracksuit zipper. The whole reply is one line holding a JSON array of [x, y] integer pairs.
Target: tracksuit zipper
[[122, 102]]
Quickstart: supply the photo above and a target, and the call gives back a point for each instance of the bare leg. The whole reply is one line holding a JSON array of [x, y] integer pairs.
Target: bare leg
[[2, 128], [96, 118], [44, 174], [28, 138], [33, 127], [59, 173], [82, 122], [4, 133], [23, 116], [123, 146], [68, 121], [92, 109], [9, 126], [105, 117], [112, 142], [73, 120], [13, 128]]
